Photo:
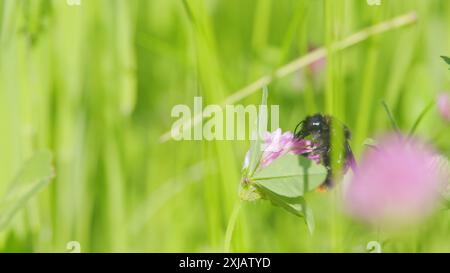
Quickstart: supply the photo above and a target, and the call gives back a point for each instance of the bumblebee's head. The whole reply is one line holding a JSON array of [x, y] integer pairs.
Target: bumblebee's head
[[312, 127]]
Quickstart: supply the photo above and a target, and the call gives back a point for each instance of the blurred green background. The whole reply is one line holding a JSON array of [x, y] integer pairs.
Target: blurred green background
[[95, 84]]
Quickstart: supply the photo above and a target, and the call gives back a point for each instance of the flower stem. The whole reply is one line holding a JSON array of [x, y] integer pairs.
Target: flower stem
[[231, 225]]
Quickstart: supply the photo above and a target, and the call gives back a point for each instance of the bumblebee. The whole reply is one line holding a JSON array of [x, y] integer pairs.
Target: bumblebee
[[319, 129]]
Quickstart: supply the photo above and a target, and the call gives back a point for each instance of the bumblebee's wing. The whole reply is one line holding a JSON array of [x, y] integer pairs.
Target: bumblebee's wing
[[349, 158]]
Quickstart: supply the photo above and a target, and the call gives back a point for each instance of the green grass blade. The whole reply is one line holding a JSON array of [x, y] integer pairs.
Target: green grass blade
[[420, 118], [391, 117], [446, 59], [33, 177]]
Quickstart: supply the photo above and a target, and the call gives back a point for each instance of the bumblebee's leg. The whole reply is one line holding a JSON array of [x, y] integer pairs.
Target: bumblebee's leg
[[329, 180], [328, 183]]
